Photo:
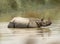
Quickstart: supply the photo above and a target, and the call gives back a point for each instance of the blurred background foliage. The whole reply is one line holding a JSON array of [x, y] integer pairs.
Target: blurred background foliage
[[29, 8]]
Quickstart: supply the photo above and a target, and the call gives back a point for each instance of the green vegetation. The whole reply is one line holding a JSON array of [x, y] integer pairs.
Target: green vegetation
[[29, 8]]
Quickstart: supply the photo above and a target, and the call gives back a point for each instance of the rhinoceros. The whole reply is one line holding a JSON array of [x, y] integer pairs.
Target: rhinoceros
[[20, 22]]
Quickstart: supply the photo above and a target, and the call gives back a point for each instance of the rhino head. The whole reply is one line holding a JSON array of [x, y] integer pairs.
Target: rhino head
[[43, 22]]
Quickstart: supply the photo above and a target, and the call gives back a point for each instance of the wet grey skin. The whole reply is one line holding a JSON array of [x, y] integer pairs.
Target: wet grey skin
[[28, 23]]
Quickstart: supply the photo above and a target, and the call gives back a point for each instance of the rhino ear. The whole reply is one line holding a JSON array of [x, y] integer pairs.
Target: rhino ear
[[49, 19], [49, 22], [42, 18]]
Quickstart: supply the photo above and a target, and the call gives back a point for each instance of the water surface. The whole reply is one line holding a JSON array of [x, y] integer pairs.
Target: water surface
[[43, 35]]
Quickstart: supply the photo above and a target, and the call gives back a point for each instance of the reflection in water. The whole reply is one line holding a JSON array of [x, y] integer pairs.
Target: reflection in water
[[44, 31], [29, 35]]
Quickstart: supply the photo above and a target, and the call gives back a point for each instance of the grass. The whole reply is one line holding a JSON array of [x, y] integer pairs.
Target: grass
[[54, 14], [30, 9]]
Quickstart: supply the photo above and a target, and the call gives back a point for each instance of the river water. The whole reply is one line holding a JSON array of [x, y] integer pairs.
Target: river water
[[43, 35]]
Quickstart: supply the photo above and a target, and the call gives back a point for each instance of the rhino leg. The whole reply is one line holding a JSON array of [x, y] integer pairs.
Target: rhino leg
[[20, 25], [32, 24]]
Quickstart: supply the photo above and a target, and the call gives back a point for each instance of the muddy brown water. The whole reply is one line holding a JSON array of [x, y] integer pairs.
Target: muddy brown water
[[43, 35]]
